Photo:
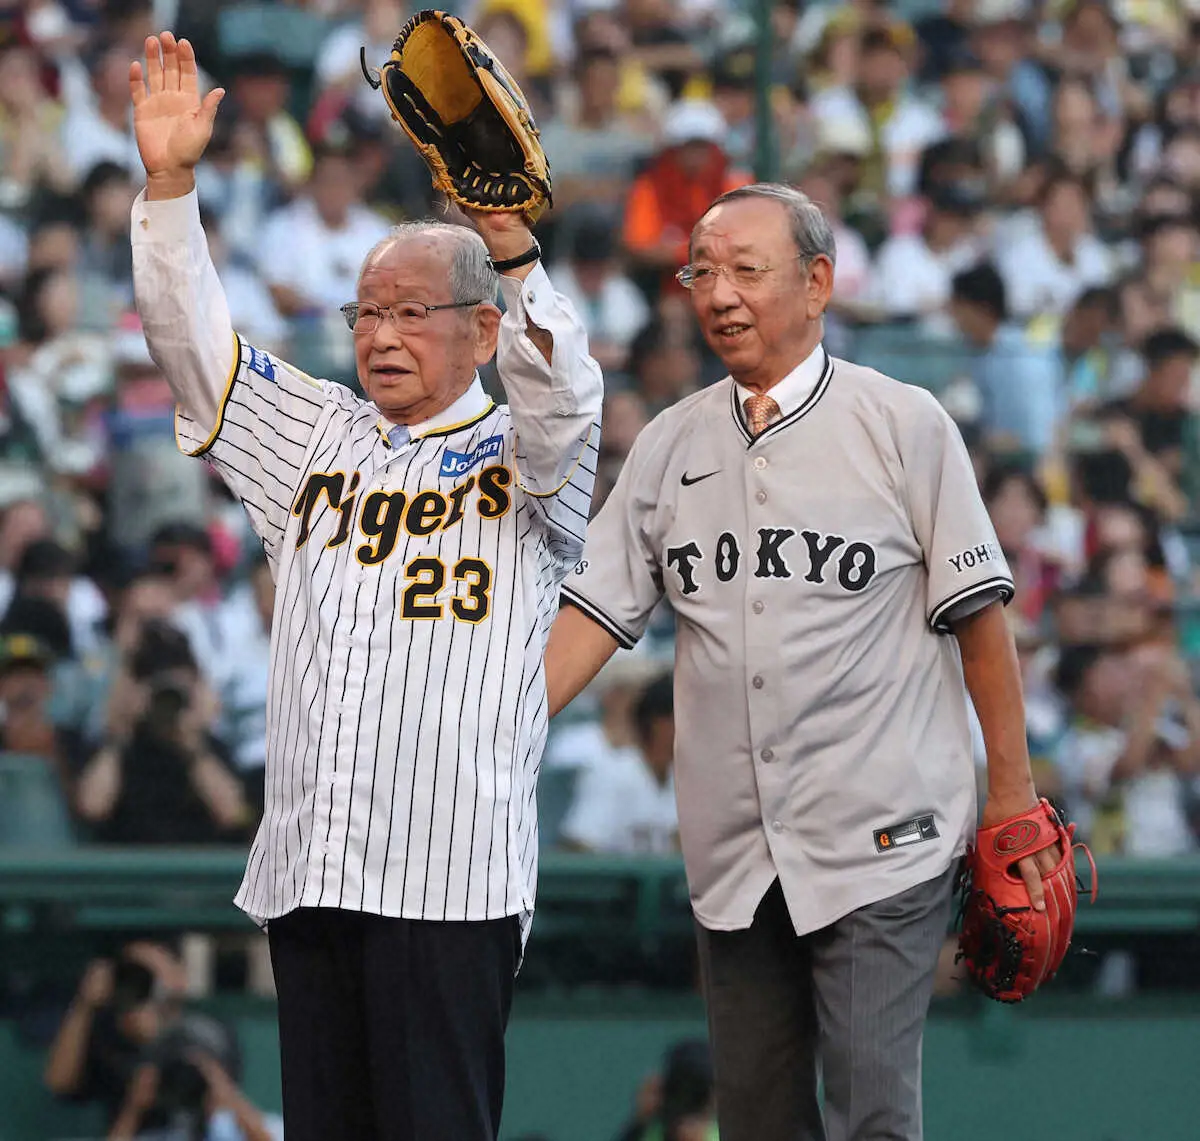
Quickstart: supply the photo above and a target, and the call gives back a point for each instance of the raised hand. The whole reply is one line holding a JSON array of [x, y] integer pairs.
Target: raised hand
[[171, 122]]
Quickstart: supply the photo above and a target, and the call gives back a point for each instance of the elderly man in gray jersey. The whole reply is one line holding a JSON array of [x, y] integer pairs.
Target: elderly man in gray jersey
[[817, 529]]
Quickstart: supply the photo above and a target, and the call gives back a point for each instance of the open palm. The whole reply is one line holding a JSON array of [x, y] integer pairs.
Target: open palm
[[171, 122]]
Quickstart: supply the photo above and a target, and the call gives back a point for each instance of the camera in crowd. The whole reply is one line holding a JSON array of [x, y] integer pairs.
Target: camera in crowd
[[164, 663]]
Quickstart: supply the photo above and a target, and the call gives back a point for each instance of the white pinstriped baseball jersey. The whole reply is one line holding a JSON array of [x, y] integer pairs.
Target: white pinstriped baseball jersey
[[417, 575], [821, 718]]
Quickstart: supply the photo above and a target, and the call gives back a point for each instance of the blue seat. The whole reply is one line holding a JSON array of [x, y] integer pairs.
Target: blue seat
[[907, 354], [33, 811], [555, 791]]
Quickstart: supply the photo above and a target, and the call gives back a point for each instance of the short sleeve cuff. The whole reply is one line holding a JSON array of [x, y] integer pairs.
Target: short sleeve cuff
[[624, 637], [969, 600]]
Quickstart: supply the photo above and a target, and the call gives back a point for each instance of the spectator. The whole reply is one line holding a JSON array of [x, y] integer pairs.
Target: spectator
[[1000, 36], [612, 308], [852, 278], [63, 372], [900, 124], [251, 307], [311, 250], [120, 1008], [664, 364], [733, 93], [1086, 347], [593, 146], [338, 68], [98, 126], [597, 743], [1046, 269], [667, 199], [31, 156], [22, 525], [1167, 288], [1134, 739], [127, 1043], [1086, 139], [678, 1103], [236, 185], [1016, 504], [260, 92], [185, 555], [627, 806], [147, 597], [106, 256], [1018, 382], [944, 36], [150, 482], [972, 109], [1146, 430], [26, 726], [163, 778], [244, 697], [625, 415], [912, 274]]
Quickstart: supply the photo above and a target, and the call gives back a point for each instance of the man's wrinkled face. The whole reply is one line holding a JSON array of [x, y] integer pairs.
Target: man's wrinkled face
[[413, 373], [760, 331]]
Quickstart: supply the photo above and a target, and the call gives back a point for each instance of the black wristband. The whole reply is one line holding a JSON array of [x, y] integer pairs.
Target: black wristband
[[532, 254]]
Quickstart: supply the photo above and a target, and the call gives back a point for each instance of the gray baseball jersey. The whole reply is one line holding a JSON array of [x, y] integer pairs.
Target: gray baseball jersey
[[821, 716]]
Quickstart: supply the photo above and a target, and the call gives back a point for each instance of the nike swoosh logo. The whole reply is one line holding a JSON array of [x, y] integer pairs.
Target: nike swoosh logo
[[688, 481]]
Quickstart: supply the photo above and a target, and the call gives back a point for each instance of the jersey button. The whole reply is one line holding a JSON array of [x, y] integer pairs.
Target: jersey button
[[760, 462], [776, 825], [757, 607], [757, 681], [768, 755], [761, 496]]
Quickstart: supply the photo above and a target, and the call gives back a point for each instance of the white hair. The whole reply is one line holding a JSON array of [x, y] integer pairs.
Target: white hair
[[471, 275]]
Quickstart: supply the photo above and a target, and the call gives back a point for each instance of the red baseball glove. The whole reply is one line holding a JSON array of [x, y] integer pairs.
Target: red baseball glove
[[1010, 949]]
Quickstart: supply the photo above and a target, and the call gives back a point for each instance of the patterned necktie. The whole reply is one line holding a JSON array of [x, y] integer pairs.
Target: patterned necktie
[[760, 411]]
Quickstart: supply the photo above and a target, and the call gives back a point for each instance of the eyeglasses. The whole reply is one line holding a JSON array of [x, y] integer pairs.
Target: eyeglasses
[[408, 316], [702, 275]]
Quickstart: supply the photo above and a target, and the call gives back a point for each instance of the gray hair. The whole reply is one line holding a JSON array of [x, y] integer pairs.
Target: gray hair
[[471, 275], [810, 228]]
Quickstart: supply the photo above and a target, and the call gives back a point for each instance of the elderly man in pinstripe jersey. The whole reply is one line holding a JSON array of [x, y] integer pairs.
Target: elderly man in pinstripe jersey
[[418, 540]]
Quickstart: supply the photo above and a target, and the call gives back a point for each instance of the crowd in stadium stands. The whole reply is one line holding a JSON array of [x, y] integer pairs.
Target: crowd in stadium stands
[[1014, 187], [1015, 190]]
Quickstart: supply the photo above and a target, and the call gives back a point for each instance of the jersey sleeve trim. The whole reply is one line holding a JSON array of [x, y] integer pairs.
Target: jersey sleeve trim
[[1002, 587], [587, 445], [216, 430], [623, 636]]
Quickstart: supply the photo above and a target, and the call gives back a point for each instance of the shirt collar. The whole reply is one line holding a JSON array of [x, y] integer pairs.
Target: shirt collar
[[468, 407], [795, 388]]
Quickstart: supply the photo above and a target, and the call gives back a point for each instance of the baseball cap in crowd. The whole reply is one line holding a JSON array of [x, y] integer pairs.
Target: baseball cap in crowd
[[593, 237], [989, 13], [734, 70], [23, 651], [44, 559], [962, 60], [693, 121], [844, 135], [183, 534], [963, 196]]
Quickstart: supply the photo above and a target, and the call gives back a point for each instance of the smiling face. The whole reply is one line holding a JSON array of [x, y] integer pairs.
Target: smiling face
[[413, 375], [760, 332]]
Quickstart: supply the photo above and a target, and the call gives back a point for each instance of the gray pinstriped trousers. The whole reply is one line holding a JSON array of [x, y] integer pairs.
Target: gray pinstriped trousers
[[847, 1004]]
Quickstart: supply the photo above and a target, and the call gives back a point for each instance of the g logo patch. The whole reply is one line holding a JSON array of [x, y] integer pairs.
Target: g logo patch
[[1016, 837]]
